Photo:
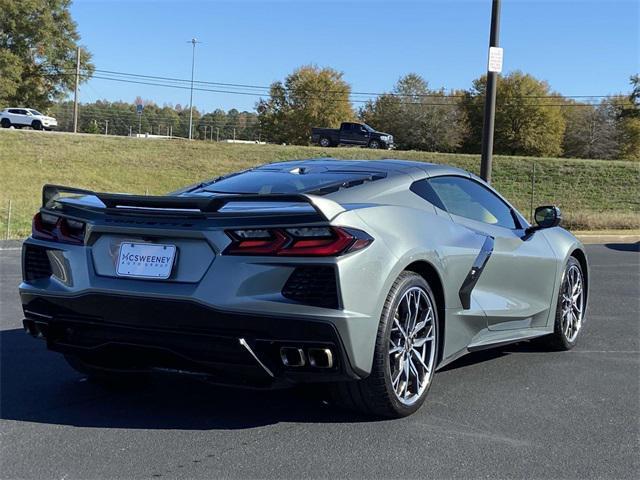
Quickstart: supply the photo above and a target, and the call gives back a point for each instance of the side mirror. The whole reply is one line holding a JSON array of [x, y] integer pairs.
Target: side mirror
[[546, 217]]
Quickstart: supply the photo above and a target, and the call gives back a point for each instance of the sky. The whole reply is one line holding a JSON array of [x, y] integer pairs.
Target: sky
[[579, 47]]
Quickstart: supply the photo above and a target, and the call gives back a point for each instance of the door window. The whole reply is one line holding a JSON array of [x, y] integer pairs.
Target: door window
[[467, 198]]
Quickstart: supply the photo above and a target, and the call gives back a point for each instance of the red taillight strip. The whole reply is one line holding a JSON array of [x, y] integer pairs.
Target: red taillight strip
[[58, 232], [320, 247], [257, 247], [284, 244]]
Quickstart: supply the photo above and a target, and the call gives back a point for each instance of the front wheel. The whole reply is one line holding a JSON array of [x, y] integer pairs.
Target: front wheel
[[375, 144], [572, 302], [405, 353], [36, 125], [325, 142]]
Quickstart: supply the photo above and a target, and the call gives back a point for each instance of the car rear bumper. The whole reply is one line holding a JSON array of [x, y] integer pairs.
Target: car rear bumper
[[144, 333]]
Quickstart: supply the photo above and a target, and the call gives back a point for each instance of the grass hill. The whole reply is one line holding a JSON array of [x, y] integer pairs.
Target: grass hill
[[593, 194]]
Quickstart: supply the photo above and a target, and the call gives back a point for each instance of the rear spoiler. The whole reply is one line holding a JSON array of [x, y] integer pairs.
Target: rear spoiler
[[52, 194]]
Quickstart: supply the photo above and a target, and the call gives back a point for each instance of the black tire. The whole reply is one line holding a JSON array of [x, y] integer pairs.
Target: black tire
[[374, 395], [105, 376], [375, 144], [5, 123], [325, 142], [558, 340], [36, 125]]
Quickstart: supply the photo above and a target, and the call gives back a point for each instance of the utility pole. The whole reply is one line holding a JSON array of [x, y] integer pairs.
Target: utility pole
[[75, 92], [493, 69], [129, 130], [106, 127], [217, 134], [193, 42], [205, 132]]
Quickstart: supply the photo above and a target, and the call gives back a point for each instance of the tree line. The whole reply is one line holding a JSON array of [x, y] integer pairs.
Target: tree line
[[121, 118], [38, 42], [531, 119]]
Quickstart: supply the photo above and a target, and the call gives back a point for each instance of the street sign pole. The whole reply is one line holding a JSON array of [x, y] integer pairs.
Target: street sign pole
[[193, 42], [139, 110], [493, 69]]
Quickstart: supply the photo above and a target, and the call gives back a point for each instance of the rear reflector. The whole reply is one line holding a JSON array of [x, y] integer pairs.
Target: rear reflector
[[306, 241]]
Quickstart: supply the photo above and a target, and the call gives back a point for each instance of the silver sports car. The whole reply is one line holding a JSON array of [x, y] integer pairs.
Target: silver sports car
[[366, 275]]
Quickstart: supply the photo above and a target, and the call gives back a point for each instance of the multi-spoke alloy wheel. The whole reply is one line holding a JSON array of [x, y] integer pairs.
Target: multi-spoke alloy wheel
[[412, 345], [405, 356], [571, 310], [572, 299]]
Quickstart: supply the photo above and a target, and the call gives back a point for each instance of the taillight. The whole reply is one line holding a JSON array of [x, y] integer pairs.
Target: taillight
[[46, 226], [296, 241]]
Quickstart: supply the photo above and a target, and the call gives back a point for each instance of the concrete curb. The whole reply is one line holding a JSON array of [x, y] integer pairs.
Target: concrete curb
[[588, 239]]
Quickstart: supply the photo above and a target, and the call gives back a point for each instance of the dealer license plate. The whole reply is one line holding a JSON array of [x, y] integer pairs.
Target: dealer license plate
[[145, 260]]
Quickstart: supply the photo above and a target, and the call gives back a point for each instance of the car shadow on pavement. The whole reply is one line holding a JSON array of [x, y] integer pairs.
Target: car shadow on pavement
[[624, 247], [38, 386], [526, 346]]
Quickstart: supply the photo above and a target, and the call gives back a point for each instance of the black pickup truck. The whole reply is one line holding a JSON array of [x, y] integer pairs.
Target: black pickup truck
[[351, 134]]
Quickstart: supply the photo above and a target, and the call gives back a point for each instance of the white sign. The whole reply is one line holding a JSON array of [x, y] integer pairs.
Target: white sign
[[145, 260], [495, 59]]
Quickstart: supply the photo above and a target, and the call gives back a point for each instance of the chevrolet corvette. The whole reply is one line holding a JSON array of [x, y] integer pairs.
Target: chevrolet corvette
[[367, 276]]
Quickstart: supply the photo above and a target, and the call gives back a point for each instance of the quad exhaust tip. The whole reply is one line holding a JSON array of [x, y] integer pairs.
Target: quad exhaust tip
[[320, 357], [292, 357], [316, 357]]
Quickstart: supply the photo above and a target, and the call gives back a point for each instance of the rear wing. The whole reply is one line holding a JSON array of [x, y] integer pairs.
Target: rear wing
[[57, 196]]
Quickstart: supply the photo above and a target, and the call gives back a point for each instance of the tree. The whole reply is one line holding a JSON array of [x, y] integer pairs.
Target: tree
[[418, 118], [590, 131], [38, 41], [629, 121], [528, 119], [309, 97]]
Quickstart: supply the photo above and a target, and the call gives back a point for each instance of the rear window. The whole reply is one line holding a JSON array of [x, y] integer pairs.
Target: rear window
[[264, 182]]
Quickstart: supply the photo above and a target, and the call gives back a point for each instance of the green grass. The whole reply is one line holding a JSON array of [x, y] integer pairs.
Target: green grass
[[593, 194]]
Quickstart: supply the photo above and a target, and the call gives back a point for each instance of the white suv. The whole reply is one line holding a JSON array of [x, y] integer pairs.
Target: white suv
[[26, 117]]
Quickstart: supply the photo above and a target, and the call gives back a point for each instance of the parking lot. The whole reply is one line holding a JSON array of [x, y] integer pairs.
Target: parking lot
[[518, 411]]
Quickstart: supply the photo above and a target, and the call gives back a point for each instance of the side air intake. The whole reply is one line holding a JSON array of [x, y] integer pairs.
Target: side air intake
[[35, 263], [313, 285]]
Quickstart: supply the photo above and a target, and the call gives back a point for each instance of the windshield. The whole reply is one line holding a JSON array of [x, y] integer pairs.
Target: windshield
[[262, 181], [34, 112], [368, 128]]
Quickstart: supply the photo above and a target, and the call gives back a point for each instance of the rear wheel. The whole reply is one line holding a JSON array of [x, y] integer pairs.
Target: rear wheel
[[405, 353], [5, 123], [571, 308], [325, 142]]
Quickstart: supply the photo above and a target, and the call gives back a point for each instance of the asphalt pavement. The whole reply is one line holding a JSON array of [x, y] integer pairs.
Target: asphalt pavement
[[515, 412]]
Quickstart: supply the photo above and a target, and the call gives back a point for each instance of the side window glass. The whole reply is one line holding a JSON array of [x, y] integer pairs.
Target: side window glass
[[424, 190], [467, 198]]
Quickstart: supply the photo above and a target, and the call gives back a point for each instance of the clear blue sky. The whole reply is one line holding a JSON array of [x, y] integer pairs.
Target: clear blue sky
[[579, 47]]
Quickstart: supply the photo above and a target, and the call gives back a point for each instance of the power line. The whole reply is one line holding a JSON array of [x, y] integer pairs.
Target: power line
[[447, 104], [377, 94]]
